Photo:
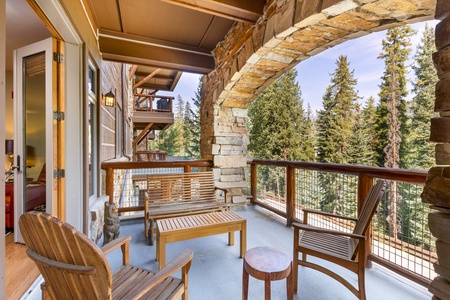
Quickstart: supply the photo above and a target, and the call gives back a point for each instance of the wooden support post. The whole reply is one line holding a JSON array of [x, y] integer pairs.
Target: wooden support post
[[110, 184], [253, 181], [365, 183], [290, 195]]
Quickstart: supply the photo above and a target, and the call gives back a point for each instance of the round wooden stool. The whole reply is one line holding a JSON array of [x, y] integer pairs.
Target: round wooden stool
[[267, 264]]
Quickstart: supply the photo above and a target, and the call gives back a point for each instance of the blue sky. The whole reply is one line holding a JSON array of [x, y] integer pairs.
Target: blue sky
[[314, 73]]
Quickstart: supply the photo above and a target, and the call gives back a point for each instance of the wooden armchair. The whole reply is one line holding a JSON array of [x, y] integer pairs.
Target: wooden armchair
[[342, 248], [74, 267]]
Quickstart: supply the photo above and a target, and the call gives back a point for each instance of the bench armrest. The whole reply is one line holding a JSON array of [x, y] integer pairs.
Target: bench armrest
[[225, 191], [124, 243]]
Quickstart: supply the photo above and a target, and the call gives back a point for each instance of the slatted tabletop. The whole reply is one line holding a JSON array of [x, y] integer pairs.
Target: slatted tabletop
[[190, 222], [194, 226]]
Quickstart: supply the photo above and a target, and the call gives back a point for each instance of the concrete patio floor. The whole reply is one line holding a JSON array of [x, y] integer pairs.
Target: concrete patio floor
[[216, 271]]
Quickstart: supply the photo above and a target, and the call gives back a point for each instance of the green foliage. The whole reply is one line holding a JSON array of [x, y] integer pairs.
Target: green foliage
[[277, 122], [420, 151], [335, 121], [391, 112], [192, 125]]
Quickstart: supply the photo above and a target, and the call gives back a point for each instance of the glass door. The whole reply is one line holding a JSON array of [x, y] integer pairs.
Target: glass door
[[33, 102]]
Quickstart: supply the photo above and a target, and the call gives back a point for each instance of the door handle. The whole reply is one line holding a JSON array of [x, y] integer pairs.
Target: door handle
[[17, 167]]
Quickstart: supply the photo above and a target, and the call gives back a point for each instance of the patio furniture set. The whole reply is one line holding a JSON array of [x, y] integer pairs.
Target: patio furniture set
[[74, 267]]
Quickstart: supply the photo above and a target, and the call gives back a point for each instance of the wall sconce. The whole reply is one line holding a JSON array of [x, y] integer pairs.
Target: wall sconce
[[110, 99], [9, 147]]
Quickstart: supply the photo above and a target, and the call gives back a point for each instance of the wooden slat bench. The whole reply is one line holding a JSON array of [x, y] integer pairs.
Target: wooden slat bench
[[173, 195], [194, 226]]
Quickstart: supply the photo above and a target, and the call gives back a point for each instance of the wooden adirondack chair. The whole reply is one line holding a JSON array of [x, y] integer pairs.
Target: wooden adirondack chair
[[342, 248], [74, 267]]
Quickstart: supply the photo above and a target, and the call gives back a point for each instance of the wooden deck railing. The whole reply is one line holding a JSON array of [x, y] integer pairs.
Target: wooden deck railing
[[118, 174], [362, 178]]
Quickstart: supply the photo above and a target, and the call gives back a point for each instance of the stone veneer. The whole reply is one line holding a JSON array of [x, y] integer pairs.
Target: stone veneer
[[437, 187]]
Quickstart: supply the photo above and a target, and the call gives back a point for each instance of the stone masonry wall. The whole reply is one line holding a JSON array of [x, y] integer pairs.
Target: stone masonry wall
[[437, 187], [252, 56]]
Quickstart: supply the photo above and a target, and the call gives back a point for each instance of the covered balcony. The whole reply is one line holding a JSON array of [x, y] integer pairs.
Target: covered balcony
[[400, 264]]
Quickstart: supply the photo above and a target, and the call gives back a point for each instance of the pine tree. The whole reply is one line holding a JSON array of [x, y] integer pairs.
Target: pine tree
[[193, 125], [421, 150], [420, 154], [277, 128], [336, 119], [277, 121], [335, 127], [360, 150], [368, 116], [391, 112]]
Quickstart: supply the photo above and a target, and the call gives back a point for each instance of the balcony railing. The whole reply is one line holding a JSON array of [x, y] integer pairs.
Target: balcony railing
[[399, 238]]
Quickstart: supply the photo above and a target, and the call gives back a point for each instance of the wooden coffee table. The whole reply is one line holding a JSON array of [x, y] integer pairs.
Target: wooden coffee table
[[268, 264], [194, 226]]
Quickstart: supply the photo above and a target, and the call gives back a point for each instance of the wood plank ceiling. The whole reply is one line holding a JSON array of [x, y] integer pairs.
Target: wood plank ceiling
[[174, 36]]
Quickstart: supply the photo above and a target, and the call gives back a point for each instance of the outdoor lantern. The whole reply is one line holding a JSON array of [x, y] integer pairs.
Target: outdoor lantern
[[110, 99]]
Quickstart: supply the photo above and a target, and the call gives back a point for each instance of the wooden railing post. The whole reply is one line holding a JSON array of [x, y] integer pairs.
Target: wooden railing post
[[290, 195], [187, 169], [365, 183], [110, 184], [253, 181]]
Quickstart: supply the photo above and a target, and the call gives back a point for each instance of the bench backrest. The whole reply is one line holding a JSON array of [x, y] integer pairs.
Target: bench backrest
[[181, 187]]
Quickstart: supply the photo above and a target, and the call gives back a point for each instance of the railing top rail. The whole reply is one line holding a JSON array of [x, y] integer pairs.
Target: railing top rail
[[156, 164], [417, 176]]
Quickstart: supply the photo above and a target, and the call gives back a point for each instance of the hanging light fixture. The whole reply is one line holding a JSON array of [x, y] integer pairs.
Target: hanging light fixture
[[110, 99]]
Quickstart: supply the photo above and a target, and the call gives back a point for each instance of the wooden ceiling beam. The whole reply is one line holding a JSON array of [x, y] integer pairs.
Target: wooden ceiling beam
[[246, 11], [146, 78]]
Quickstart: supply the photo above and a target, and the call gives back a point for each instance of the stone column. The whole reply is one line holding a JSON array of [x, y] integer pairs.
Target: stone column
[[437, 186]]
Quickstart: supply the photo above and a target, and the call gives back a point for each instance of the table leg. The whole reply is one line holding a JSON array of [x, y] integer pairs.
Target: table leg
[[161, 251], [267, 286], [244, 283], [230, 238]]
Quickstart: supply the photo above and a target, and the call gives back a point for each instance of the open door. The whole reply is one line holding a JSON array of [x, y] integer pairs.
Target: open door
[[35, 134]]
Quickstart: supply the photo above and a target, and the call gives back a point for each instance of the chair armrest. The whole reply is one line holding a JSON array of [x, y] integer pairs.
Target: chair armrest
[[329, 231], [182, 261], [70, 268], [124, 243], [319, 212], [225, 191]]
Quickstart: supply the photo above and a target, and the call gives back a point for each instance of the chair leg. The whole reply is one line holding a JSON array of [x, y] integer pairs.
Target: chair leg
[[146, 227], [361, 283], [295, 272]]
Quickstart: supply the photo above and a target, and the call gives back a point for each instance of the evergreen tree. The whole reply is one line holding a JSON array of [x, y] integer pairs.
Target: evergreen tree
[[335, 127], [360, 151], [277, 128], [277, 121], [336, 119], [420, 154], [391, 112], [192, 125], [368, 116], [420, 149]]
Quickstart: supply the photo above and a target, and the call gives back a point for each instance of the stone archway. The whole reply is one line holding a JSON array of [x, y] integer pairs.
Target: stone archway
[[252, 56]]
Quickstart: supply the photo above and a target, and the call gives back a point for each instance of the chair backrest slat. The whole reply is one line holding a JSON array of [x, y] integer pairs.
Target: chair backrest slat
[[368, 209]]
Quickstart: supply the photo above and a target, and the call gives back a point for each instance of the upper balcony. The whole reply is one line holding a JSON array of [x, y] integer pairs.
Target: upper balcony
[[152, 112]]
